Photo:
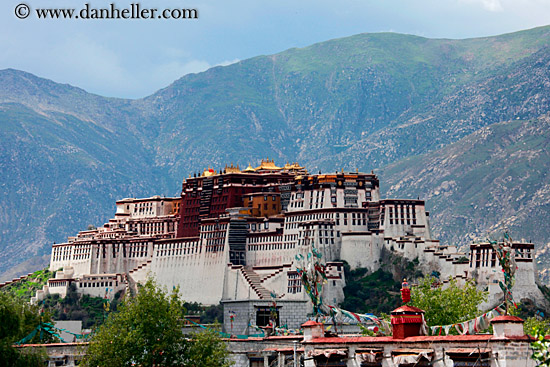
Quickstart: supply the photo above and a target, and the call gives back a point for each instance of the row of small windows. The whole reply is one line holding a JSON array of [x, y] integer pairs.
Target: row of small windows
[[214, 246], [218, 234], [301, 218], [322, 240], [62, 253], [179, 248], [270, 246], [253, 227], [213, 227], [355, 219], [264, 239], [216, 199], [96, 284], [127, 249], [399, 214], [53, 284], [326, 241], [152, 228], [217, 241], [291, 237]]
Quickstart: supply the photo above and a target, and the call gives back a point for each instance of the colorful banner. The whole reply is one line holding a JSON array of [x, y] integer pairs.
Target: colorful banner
[[507, 260], [470, 327], [312, 274]]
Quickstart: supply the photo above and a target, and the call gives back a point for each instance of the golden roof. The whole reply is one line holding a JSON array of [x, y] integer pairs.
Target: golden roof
[[208, 172], [268, 165], [232, 169], [293, 166], [249, 169]]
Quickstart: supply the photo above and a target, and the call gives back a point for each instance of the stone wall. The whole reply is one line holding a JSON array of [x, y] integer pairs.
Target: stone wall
[[291, 313]]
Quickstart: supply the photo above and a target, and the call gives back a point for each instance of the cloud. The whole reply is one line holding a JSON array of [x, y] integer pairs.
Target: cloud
[[490, 5], [166, 73]]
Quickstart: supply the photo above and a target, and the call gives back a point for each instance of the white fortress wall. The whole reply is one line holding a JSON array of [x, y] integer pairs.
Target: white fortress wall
[[236, 287], [268, 249], [121, 256], [61, 256], [197, 269], [361, 249]]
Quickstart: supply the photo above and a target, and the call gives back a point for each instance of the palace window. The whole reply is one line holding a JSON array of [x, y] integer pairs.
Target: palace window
[[294, 283], [263, 316]]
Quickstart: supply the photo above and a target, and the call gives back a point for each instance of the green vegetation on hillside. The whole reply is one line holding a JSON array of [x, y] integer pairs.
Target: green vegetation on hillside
[[24, 289], [92, 311], [374, 293], [207, 314], [378, 292]]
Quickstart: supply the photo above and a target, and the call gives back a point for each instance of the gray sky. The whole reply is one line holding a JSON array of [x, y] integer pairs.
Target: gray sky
[[134, 58]]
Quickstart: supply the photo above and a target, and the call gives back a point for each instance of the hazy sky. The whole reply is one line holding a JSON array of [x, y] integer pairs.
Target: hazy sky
[[134, 58]]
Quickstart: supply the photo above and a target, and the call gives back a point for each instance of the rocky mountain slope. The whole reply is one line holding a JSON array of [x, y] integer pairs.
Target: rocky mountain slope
[[360, 102], [493, 179]]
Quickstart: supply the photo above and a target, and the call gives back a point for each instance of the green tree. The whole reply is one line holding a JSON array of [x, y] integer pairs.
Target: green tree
[[541, 346], [533, 325], [447, 304], [16, 321], [147, 330], [206, 349]]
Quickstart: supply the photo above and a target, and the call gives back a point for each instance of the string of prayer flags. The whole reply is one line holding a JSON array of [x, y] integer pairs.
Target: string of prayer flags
[[472, 326]]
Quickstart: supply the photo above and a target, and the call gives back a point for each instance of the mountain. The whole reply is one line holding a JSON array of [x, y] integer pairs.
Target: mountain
[[361, 102], [494, 179], [357, 102], [66, 155]]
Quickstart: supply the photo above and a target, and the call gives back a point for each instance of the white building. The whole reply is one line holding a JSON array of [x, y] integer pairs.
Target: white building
[[244, 248]]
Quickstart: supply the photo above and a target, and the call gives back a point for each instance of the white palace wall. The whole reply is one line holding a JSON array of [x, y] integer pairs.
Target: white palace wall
[[345, 220], [198, 274], [362, 249]]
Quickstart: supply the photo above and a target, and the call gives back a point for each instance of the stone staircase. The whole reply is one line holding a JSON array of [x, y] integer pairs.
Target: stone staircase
[[280, 270], [255, 283], [139, 267], [130, 277]]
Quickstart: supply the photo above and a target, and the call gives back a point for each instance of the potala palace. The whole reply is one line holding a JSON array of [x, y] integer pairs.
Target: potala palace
[[233, 236]]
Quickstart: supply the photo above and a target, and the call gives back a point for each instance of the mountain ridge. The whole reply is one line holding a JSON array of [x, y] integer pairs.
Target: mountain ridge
[[362, 102]]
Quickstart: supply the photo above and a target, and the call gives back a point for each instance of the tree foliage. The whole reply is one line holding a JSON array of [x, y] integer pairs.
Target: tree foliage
[[534, 325], [206, 349], [447, 304], [16, 321], [541, 346], [147, 331], [376, 292], [90, 310], [208, 314]]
